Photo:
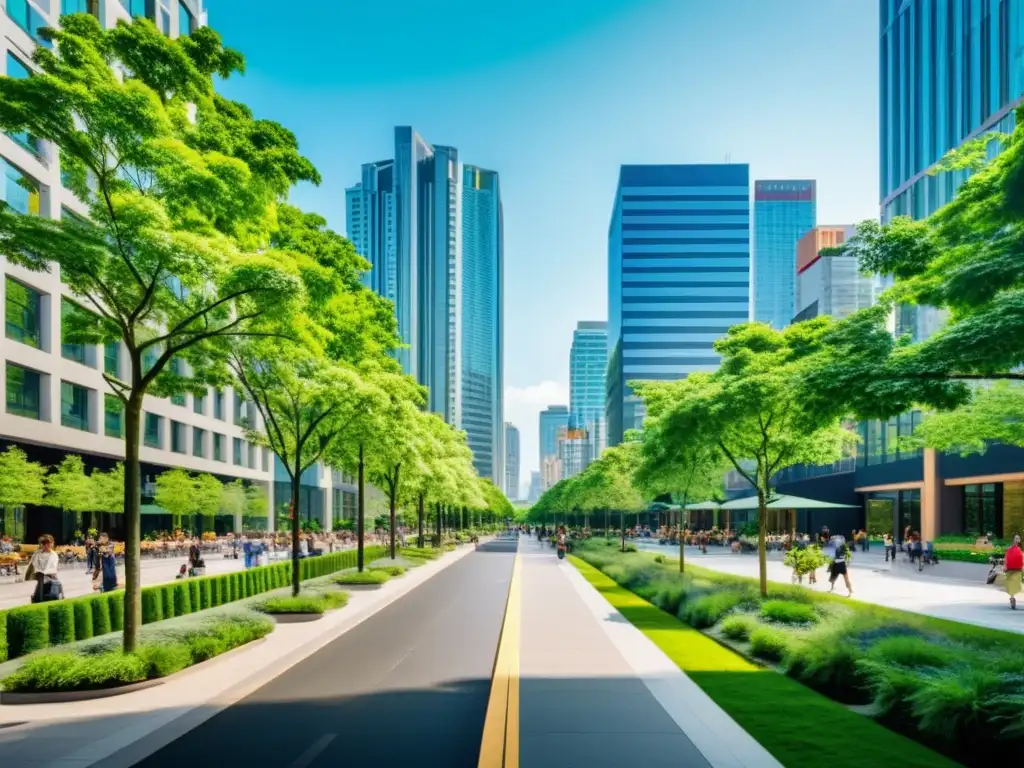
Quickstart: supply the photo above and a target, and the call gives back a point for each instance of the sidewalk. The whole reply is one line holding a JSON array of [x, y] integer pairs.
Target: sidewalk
[[121, 730], [594, 692]]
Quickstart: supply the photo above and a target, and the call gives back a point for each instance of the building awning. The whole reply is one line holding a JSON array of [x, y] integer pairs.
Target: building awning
[[704, 505], [785, 501], [660, 506], [153, 509]]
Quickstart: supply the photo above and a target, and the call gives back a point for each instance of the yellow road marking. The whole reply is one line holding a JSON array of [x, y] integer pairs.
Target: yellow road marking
[[499, 747]]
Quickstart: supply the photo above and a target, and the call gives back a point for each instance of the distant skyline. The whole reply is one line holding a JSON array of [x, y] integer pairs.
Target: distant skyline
[[555, 96]]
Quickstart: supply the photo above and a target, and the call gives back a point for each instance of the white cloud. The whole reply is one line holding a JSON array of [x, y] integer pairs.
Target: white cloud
[[522, 408]]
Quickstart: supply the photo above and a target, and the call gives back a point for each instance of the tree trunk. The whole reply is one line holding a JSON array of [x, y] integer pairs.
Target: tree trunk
[[622, 519], [391, 511], [682, 542], [606, 531], [296, 479], [132, 523], [361, 514], [440, 511], [762, 525], [419, 523]]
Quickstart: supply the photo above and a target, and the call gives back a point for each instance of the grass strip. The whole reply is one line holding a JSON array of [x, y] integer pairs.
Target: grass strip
[[785, 717]]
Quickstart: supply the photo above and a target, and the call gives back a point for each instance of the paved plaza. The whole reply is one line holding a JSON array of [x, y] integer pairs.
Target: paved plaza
[[950, 590]]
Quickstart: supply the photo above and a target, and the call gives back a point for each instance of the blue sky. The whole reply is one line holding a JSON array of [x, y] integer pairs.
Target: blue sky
[[555, 95]]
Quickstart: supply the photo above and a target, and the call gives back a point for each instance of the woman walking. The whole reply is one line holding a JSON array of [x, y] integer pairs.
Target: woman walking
[[838, 567], [42, 566], [1013, 565]]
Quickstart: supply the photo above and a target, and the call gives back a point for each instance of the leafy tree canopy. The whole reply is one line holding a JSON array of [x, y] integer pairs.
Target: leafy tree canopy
[[21, 481]]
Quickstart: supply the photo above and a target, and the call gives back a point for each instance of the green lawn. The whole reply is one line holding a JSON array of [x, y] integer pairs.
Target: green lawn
[[800, 727]]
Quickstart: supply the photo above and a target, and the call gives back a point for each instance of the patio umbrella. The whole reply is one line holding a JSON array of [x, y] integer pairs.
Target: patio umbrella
[[785, 501]]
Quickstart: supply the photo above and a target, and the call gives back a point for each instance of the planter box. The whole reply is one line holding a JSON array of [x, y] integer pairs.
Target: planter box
[[56, 697], [294, 618], [358, 587]]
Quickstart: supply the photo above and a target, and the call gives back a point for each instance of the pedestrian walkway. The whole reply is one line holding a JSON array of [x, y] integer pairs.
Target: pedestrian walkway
[[594, 692]]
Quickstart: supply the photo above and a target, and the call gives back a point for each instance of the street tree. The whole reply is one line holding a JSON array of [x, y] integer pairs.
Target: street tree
[[69, 488], [208, 500], [750, 410], [180, 187], [176, 492], [21, 482], [257, 508], [233, 502], [691, 471], [108, 492]]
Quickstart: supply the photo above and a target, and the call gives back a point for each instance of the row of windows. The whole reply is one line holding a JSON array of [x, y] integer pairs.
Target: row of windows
[[24, 397], [23, 314]]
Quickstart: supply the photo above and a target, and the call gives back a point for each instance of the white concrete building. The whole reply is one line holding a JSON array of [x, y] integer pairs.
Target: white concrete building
[[56, 398]]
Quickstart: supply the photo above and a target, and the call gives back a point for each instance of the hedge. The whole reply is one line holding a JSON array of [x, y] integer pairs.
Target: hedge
[[34, 627]]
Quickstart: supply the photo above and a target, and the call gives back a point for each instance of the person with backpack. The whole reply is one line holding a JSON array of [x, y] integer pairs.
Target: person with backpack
[[839, 566]]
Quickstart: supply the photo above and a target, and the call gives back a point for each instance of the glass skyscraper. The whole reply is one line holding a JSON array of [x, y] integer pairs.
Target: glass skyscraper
[[784, 211], [552, 419], [588, 361], [403, 218], [678, 276], [949, 70], [511, 486], [481, 292]]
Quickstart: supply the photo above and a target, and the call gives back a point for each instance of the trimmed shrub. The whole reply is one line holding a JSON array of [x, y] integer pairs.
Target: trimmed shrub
[[152, 605], [170, 603], [205, 588], [62, 622], [100, 607], [116, 603], [250, 584], [216, 584], [786, 612], [182, 598], [310, 603], [83, 619], [193, 595], [390, 570], [738, 626], [768, 643], [28, 630], [3, 636]]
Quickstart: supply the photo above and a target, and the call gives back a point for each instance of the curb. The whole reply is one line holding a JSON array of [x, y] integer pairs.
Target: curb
[[57, 697], [294, 618]]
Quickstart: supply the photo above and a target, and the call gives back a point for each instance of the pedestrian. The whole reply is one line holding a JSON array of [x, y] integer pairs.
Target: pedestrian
[[42, 566], [106, 567], [839, 567], [1013, 564]]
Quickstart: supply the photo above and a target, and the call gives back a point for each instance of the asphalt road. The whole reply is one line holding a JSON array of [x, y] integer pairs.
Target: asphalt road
[[407, 687]]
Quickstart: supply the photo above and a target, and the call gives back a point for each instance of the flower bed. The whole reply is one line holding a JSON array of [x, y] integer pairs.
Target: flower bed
[[952, 686], [34, 627], [99, 670]]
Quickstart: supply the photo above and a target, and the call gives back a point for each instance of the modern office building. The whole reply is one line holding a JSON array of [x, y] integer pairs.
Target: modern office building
[[784, 211], [404, 219], [574, 447], [678, 276], [432, 231], [948, 71], [511, 485], [56, 399], [831, 285], [588, 361], [551, 420], [536, 487], [482, 312]]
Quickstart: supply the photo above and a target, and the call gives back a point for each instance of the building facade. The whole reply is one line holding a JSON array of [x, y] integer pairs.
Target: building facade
[[432, 231], [482, 313], [948, 71], [574, 447], [511, 484], [784, 211], [588, 362], [404, 218], [678, 276], [551, 420], [831, 285], [536, 487], [56, 399]]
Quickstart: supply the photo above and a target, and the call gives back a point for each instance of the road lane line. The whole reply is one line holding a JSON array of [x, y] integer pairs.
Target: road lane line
[[311, 754], [499, 747]]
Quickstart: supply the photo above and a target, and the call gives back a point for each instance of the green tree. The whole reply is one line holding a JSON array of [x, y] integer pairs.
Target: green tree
[[692, 471], [750, 410], [21, 482], [108, 492], [69, 488], [176, 492], [208, 498], [257, 508], [233, 501], [174, 261]]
